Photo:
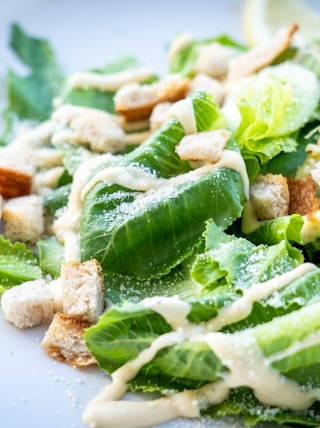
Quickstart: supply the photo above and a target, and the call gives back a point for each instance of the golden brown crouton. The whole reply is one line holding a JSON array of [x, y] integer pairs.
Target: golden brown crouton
[[15, 179], [64, 341], [136, 101], [303, 195], [269, 196]]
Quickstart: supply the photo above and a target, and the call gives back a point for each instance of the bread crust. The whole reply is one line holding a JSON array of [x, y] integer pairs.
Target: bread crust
[[303, 195], [136, 101], [14, 182], [269, 196], [64, 341]]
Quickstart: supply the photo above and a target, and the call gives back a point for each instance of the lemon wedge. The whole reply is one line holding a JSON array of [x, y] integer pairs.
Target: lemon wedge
[[262, 19]]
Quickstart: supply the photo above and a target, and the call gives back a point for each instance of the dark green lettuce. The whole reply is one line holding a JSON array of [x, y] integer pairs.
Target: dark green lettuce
[[132, 238], [124, 229], [30, 97]]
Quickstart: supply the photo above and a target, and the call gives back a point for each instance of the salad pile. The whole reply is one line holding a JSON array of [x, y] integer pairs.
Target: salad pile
[[196, 194]]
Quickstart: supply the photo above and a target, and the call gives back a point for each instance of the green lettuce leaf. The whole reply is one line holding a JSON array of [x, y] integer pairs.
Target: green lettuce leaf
[[243, 402], [131, 224], [30, 96], [287, 164], [132, 238], [121, 335], [286, 228], [228, 260], [17, 264], [275, 104], [51, 255]]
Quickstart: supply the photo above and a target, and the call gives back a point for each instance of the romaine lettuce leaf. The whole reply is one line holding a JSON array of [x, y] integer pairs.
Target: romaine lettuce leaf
[[275, 104], [133, 239], [287, 164], [120, 226], [230, 260], [243, 402], [176, 367], [17, 264], [51, 255], [286, 228], [30, 97]]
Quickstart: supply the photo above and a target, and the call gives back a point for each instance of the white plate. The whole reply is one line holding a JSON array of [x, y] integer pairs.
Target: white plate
[[35, 390]]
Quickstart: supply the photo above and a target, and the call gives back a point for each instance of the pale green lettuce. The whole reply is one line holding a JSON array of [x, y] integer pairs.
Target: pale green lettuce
[[274, 105]]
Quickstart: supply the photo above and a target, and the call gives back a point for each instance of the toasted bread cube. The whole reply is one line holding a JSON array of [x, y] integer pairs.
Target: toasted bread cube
[[303, 195], [269, 196], [136, 101], [15, 178], [83, 290], [24, 218], [64, 341], [28, 304], [205, 146]]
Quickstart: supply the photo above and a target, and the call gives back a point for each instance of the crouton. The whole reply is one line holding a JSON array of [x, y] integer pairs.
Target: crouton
[[303, 195], [87, 126], [82, 290], [269, 196], [64, 341], [15, 178], [213, 60], [255, 59], [28, 304], [136, 101], [24, 218], [204, 146], [202, 82]]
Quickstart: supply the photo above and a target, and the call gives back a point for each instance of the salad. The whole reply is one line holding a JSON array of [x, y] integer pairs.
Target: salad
[[167, 228]]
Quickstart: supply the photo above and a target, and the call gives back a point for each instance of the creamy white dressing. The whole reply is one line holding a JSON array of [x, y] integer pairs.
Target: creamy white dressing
[[249, 221], [242, 307], [66, 227], [174, 310], [109, 82], [311, 340], [233, 160], [238, 352], [23, 146], [183, 110], [247, 367], [136, 178], [105, 411], [131, 177]]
